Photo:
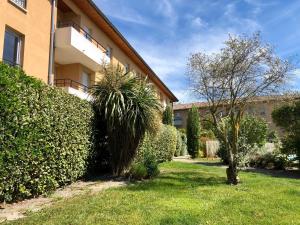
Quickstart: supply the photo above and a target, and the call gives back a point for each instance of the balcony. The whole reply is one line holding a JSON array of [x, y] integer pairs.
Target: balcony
[[74, 88], [74, 45]]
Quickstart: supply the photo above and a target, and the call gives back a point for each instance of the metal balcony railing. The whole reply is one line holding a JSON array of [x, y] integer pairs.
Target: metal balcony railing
[[83, 32], [71, 83]]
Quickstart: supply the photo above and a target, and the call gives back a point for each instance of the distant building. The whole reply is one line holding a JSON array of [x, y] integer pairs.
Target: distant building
[[260, 107]]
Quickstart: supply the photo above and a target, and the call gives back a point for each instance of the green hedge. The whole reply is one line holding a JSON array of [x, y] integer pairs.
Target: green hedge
[[162, 145], [45, 136]]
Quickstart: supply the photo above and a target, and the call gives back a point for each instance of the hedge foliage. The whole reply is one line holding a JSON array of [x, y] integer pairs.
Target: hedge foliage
[[162, 144], [45, 136], [181, 147], [168, 116]]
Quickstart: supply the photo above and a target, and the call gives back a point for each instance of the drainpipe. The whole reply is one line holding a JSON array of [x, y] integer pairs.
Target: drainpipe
[[51, 52]]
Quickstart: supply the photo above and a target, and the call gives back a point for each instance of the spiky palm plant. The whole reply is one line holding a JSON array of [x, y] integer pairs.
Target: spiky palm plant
[[128, 106]]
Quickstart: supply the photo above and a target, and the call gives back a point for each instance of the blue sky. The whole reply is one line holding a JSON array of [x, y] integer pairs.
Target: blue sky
[[166, 32]]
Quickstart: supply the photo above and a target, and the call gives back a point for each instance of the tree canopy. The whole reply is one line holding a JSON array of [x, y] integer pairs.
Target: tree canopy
[[230, 79]]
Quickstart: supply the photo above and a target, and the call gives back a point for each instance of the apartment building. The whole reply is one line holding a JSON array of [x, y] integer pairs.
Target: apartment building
[[82, 38], [260, 107]]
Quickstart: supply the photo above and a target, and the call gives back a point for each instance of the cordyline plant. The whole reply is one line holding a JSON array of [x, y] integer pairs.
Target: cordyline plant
[[129, 107], [229, 80]]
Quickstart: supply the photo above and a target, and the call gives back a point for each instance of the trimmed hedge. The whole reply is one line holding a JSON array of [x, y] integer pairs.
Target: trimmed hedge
[[162, 145], [45, 136]]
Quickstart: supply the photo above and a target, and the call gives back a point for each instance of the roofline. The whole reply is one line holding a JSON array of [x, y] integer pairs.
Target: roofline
[[186, 106], [131, 48]]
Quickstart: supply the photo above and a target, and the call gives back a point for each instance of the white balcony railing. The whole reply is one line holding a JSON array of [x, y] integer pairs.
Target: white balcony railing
[[74, 88], [74, 45]]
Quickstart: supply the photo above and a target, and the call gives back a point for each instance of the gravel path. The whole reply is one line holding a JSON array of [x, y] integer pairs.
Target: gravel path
[[18, 210]]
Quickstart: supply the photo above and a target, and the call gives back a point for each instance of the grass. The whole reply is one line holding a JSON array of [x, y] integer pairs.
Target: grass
[[183, 194]]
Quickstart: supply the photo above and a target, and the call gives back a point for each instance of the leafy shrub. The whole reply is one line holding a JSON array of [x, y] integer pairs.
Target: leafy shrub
[[168, 117], [270, 161], [44, 136], [193, 132], [162, 144], [146, 158], [165, 143], [138, 171], [288, 117], [178, 143], [151, 164], [253, 134], [183, 150], [272, 137]]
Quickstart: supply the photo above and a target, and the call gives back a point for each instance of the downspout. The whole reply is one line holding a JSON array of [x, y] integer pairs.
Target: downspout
[[51, 52]]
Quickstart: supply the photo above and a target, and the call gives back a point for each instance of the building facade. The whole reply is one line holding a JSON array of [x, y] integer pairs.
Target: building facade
[[83, 40], [261, 107]]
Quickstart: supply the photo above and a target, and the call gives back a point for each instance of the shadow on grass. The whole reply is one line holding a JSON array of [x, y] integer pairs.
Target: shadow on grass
[[293, 174], [179, 180], [212, 163]]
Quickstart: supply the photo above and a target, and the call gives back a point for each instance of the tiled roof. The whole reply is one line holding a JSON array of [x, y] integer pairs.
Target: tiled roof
[[179, 106]]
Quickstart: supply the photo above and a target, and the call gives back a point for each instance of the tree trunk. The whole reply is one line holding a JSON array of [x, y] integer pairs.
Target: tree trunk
[[232, 174], [232, 171]]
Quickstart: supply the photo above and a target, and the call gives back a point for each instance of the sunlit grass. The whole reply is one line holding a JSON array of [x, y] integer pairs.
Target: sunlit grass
[[183, 194]]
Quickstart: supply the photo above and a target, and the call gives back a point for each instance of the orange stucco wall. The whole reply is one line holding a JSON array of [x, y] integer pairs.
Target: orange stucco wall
[[34, 24]]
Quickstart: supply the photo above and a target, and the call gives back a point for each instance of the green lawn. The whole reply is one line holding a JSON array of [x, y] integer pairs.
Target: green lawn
[[183, 194]]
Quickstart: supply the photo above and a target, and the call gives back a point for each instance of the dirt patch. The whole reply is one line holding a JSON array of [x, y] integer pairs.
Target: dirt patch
[[18, 210]]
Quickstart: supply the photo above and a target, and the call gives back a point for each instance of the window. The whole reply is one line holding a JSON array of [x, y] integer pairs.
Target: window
[[109, 52], [127, 68], [85, 81], [12, 48], [21, 3]]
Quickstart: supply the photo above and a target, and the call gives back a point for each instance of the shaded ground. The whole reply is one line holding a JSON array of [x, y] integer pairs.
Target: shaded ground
[[295, 174], [19, 210], [183, 194]]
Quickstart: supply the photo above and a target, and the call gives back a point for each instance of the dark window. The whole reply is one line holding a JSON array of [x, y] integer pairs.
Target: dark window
[[12, 48], [109, 52], [127, 68]]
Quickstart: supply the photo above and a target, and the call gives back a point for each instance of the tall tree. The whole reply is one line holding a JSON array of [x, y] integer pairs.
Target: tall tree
[[168, 116], [193, 132], [128, 107], [230, 79]]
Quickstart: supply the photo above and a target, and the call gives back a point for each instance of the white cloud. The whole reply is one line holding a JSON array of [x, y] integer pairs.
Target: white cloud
[[169, 62], [124, 13], [198, 22]]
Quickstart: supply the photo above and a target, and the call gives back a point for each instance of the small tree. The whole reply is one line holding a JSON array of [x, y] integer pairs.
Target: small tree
[[229, 80], [193, 132], [168, 117]]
